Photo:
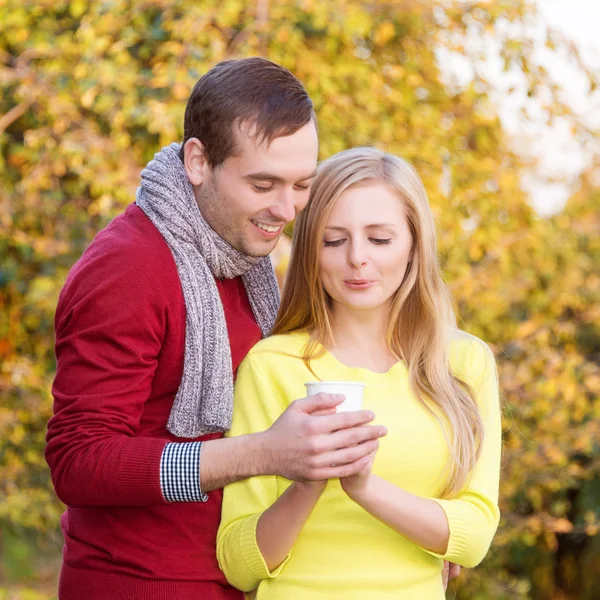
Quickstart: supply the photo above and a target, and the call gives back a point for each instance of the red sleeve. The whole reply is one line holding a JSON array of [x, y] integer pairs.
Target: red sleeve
[[110, 321]]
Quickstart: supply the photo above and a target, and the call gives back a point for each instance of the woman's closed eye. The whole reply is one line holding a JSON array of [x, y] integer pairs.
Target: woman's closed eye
[[376, 241]]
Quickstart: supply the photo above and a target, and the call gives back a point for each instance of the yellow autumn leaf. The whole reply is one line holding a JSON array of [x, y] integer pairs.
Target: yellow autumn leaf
[[384, 33]]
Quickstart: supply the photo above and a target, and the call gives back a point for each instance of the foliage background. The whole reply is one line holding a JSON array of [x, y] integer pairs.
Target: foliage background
[[91, 89]]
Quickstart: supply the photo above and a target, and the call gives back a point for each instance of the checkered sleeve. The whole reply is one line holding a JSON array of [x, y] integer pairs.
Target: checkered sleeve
[[180, 472]]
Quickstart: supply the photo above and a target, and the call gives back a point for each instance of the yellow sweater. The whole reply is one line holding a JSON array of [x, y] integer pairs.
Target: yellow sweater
[[343, 551]]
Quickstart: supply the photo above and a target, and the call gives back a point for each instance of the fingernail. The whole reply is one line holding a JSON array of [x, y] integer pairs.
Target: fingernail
[[339, 397]]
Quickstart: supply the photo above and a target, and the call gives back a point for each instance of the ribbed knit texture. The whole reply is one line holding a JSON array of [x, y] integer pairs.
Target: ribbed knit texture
[[111, 586], [343, 552], [204, 400]]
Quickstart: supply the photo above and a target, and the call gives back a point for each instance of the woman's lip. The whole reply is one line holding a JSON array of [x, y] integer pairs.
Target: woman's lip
[[359, 284]]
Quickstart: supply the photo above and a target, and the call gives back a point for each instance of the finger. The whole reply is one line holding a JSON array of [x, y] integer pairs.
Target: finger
[[346, 455], [445, 573], [320, 401], [341, 471], [323, 412], [344, 438], [344, 420], [453, 571]]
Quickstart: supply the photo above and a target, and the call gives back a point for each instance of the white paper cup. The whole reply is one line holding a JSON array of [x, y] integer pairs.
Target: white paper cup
[[352, 390]]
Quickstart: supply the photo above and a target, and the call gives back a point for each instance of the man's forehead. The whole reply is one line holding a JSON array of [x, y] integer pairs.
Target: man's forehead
[[293, 156], [247, 135]]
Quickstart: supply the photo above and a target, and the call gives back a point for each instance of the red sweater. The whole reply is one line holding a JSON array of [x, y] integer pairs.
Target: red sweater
[[120, 332]]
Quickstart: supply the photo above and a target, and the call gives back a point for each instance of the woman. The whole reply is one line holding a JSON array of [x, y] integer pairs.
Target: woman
[[364, 301]]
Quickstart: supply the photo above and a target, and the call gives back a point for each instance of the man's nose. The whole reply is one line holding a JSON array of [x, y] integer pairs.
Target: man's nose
[[285, 208]]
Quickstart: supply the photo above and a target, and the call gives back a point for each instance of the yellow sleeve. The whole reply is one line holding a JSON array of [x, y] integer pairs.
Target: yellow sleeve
[[256, 408], [473, 515]]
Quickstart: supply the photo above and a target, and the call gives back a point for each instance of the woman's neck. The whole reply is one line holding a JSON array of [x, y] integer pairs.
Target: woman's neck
[[360, 339]]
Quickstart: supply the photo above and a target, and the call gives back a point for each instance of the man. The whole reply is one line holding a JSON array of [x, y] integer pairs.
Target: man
[[151, 326]]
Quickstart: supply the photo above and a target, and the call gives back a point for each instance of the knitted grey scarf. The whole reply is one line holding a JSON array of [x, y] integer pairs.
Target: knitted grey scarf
[[204, 401]]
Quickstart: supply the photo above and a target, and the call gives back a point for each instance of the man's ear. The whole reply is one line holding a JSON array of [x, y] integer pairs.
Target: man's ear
[[194, 161]]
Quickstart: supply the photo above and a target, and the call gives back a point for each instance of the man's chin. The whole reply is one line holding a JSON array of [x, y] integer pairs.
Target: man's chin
[[259, 249]]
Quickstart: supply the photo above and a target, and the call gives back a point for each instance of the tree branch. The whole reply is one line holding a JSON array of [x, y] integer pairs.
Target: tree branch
[[16, 112]]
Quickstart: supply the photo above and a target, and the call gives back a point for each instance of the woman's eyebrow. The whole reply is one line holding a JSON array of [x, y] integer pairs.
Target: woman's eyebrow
[[380, 225], [371, 226]]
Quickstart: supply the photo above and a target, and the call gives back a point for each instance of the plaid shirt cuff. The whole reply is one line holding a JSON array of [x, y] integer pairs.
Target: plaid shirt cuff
[[180, 472]]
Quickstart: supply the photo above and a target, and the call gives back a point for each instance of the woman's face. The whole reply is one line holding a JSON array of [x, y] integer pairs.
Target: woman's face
[[366, 248]]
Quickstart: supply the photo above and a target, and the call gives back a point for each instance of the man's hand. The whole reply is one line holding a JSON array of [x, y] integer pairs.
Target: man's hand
[[449, 572], [311, 442]]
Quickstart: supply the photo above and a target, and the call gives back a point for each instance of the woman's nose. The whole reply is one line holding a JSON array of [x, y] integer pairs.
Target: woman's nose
[[356, 256]]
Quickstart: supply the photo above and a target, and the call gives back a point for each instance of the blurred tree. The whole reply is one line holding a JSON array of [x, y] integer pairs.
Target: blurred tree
[[91, 89]]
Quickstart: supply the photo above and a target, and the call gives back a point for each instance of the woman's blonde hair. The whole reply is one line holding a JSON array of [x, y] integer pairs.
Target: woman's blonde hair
[[421, 316]]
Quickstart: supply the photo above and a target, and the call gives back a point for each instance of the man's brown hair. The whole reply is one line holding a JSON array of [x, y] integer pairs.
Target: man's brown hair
[[248, 90]]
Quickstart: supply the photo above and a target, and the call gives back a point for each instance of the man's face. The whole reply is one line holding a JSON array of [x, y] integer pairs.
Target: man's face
[[250, 198]]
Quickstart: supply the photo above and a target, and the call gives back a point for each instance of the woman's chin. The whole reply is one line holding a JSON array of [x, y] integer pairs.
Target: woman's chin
[[366, 304]]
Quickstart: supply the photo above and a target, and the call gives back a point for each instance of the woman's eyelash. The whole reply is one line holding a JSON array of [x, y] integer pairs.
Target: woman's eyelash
[[378, 241]]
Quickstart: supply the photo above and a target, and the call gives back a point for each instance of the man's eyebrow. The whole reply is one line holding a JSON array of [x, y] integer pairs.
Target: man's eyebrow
[[313, 174], [265, 176]]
